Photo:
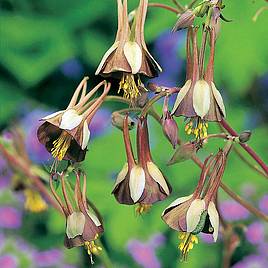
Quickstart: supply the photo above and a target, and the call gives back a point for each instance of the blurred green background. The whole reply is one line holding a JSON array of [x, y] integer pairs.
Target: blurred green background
[[48, 46]]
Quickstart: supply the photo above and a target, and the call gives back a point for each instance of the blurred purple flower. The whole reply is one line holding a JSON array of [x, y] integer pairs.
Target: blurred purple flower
[[233, 211], [255, 233], [2, 241], [248, 189], [5, 174], [100, 123], [67, 266], [157, 240], [8, 261], [10, 217], [263, 204], [207, 238], [263, 249], [30, 123], [72, 68], [252, 261], [166, 49], [48, 258]]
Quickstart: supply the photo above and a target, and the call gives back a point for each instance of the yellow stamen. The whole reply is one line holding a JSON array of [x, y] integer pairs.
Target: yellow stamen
[[129, 86], [61, 145], [34, 201], [142, 208], [197, 127], [92, 248], [187, 243]]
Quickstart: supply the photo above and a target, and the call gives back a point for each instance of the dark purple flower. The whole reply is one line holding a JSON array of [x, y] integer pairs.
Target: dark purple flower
[[252, 261], [255, 233], [48, 258], [263, 204], [8, 261], [10, 217], [72, 68], [233, 211]]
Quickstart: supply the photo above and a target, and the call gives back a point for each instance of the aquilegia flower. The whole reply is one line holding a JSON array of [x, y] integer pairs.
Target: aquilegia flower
[[199, 100], [140, 182], [65, 133], [128, 57], [197, 213], [83, 226]]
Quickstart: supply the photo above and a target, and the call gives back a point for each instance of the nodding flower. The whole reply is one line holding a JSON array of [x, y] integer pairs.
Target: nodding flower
[[199, 100], [197, 212], [128, 57], [83, 225], [65, 134], [140, 181]]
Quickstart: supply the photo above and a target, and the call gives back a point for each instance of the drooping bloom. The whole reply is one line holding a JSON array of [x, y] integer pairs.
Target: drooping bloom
[[199, 100], [65, 133], [128, 57], [83, 226], [197, 213], [140, 182]]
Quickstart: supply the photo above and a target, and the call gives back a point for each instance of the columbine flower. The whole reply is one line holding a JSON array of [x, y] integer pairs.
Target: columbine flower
[[199, 100], [197, 213], [65, 133], [140, 181], [129, 57], [83, 227]]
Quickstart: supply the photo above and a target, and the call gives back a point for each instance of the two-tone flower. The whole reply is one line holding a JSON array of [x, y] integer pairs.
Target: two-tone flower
[[199, 100], [197, 213], [65, 133], [128, 57], [83, 225], [140, 181]]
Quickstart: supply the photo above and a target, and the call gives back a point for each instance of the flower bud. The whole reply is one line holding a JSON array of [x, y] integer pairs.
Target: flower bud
[[170, 129], [183, 153], [245, 136], [185, 20], [118, 120]]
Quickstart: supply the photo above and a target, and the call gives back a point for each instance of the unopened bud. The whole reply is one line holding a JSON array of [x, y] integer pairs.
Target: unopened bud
[[170, 129], [118, 120], [183, 153], [154, 87], [185, 20], [245, 136]]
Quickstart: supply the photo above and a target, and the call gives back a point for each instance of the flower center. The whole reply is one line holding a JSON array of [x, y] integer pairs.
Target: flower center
[[129, 86], [198, 127], [187, 243], [61, 145], [142, 208], [92, 248], [34, 202]]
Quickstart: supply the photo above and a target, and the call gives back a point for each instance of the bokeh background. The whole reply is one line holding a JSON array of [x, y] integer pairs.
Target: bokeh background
[[46, 49]]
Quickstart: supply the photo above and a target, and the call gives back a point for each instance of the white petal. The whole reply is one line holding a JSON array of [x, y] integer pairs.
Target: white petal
[[122, 175], [182, 93], [86, 135], [155, 62], [194, 213], [52, 115], [214, 219], [158, 176], [136, 182], [70, 119], [105, 57], [75, 224], [177, 202], [218, 97], [94, 218], [201, 98], [133, 54]]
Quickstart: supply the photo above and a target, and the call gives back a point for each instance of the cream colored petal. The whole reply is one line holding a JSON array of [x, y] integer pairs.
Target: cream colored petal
[[133, 55], [70, 119], [214, 219], [201, 98], [52, 115], [106, 55], [194, 213], [86, 136], [94, 218], [75, 224], [122, 175], [182, 93], [218, 97], [136, 183], [158, 176], [155, 62], [177, 202]]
